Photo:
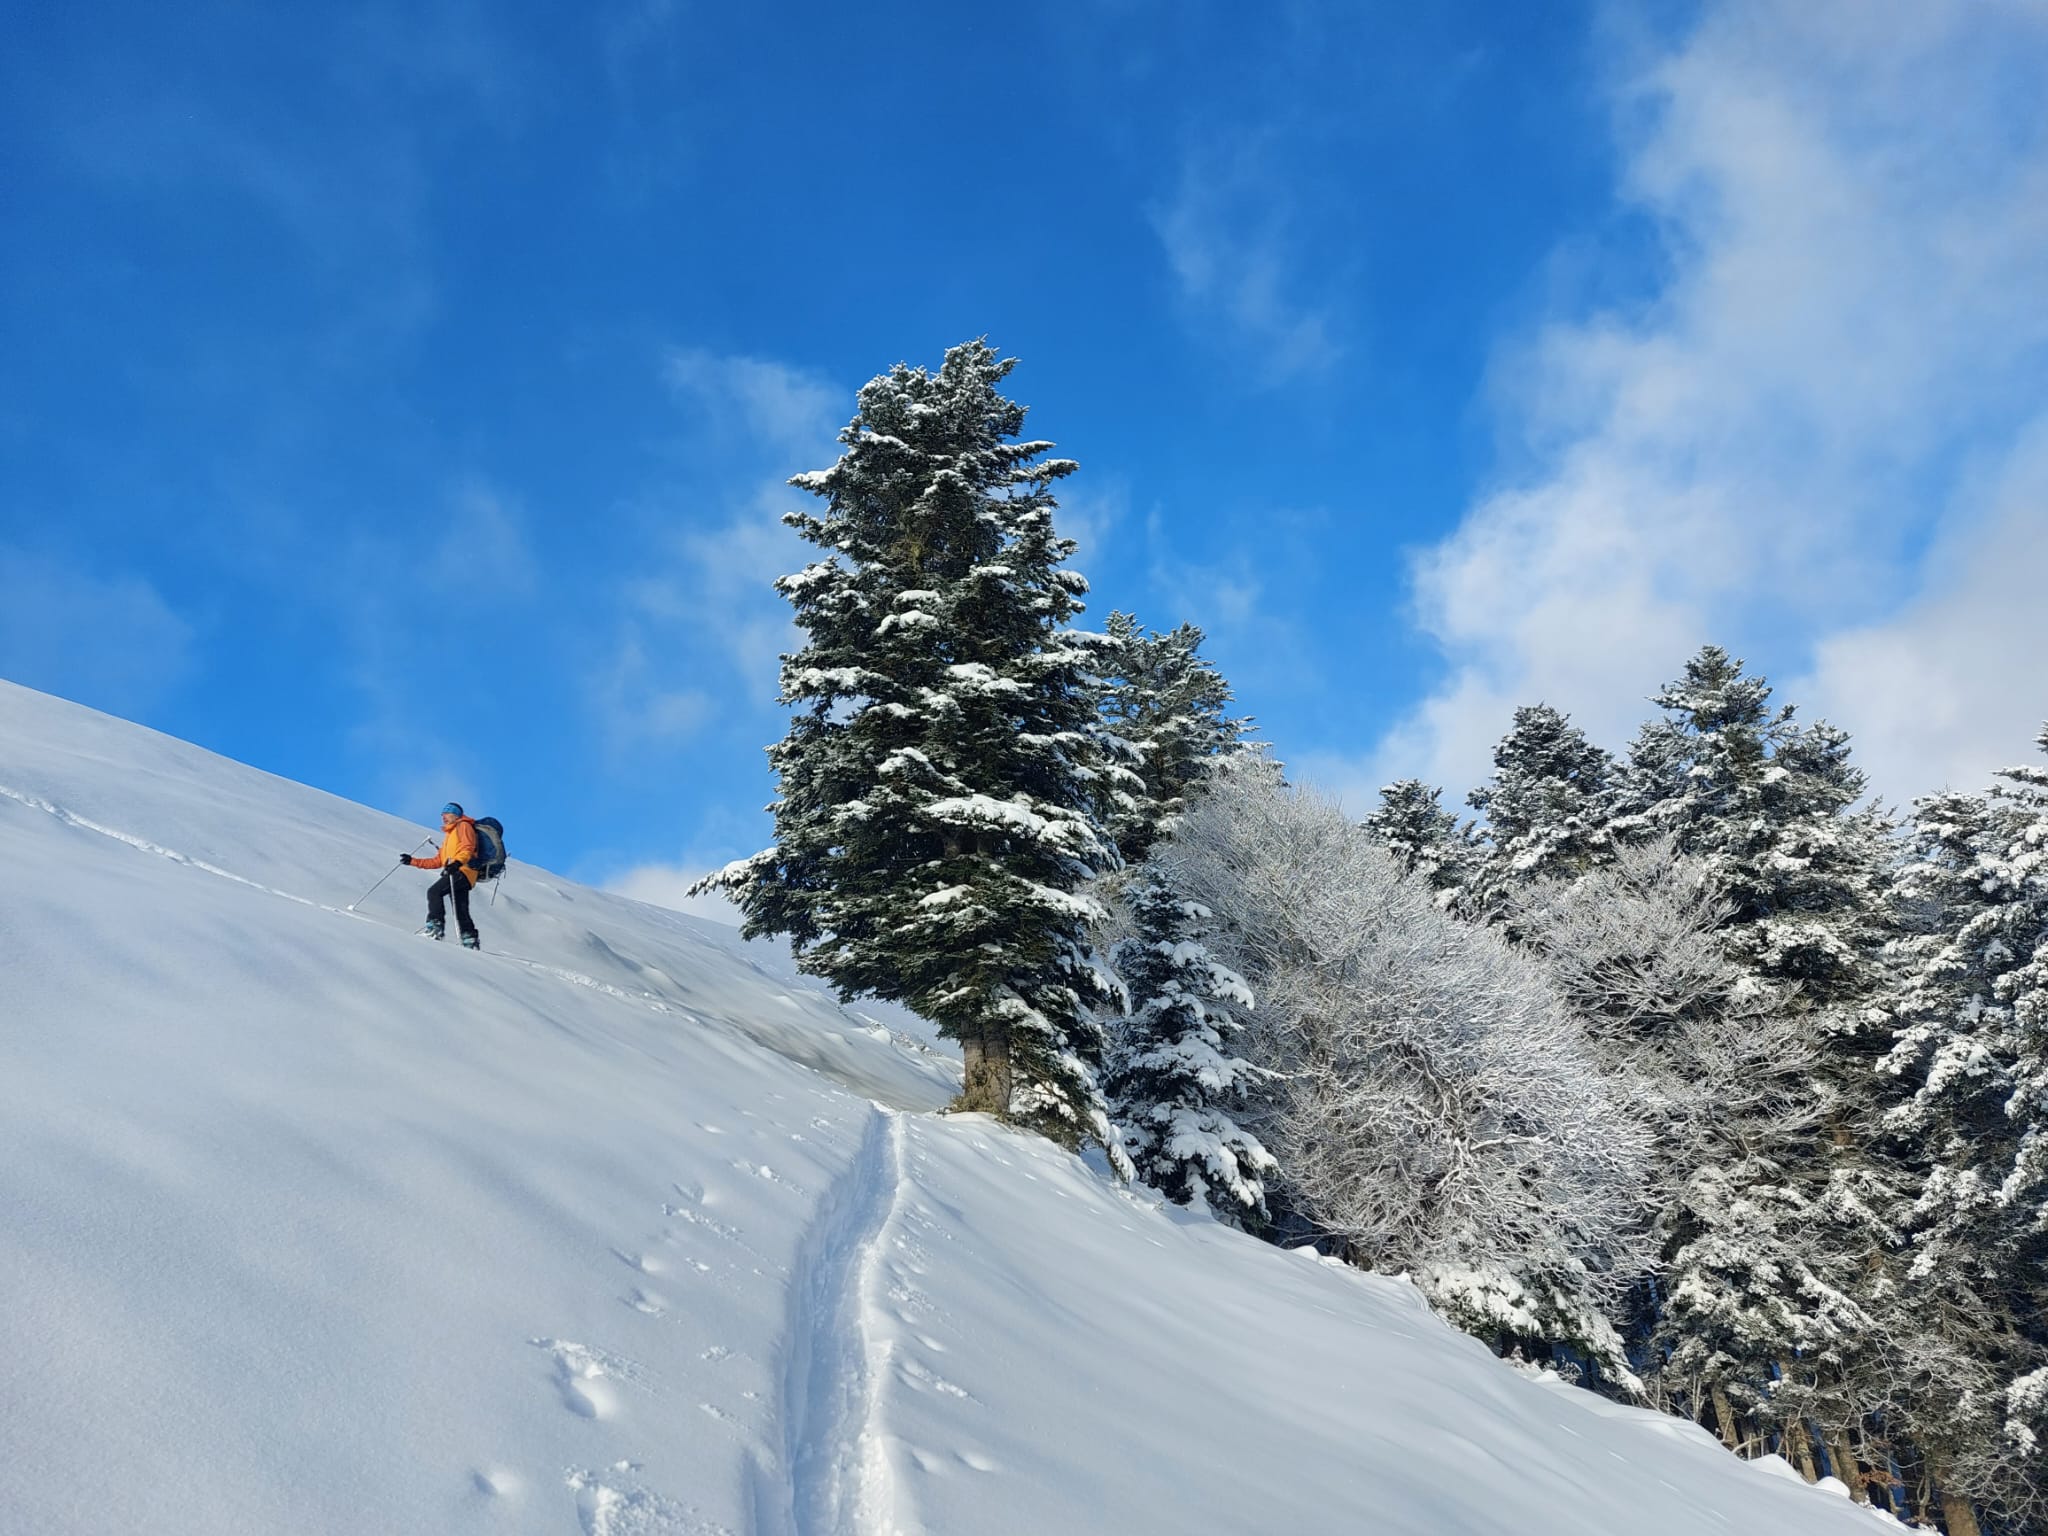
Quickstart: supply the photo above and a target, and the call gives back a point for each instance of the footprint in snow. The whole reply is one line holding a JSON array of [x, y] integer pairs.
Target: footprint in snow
[[924, 1379], [768, 1175], [494, 1482], [586, 1378], [643, 1300], [941, 1464], [609, 1503]]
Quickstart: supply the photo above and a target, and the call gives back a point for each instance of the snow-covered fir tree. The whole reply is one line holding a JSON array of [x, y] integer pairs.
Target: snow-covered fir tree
[[1167, 702], [1769, 805], [937, 820], [1968, 1068], [1426, 840], [1548, 806], [1770, 808], [1177, 1086]]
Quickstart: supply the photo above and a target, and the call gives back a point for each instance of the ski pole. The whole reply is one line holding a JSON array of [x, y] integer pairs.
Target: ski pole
[[394, 869]]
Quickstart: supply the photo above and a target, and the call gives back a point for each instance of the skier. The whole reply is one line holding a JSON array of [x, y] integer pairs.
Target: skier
[[457, 858]]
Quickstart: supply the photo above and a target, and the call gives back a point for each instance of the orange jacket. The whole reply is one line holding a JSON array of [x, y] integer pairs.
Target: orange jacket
[[457, 849]]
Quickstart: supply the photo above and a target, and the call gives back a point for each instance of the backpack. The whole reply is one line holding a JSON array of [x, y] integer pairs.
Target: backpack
[[490, 848]]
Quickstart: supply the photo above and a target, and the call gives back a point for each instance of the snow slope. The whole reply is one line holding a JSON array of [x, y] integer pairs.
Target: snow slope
[[308, 1225]]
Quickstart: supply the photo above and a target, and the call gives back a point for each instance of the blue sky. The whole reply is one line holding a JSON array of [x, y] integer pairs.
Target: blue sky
[[397, 397]]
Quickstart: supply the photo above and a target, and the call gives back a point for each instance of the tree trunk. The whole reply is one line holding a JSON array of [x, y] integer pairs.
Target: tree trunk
[[1797, 1441], [1957, 1515], [1724, 1418], [1845, 1465], [985, 1089], [1801, 1445]]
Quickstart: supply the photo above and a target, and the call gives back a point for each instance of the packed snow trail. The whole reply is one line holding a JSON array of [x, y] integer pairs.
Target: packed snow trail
[[833, 1372], [307, 1226]]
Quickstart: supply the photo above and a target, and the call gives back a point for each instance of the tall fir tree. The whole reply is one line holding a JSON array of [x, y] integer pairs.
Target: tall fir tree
[[1177, 1085], [939, 786], [1548, 807], [1426, 840], [1770, 807], [1968, 1074], [1169, 705]]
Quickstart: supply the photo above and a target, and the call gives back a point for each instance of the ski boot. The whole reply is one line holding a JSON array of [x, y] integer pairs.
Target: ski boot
[[469, 941], [432, 930]]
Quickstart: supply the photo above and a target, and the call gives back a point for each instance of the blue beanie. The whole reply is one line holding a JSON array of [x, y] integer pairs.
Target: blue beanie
[[451, 809]]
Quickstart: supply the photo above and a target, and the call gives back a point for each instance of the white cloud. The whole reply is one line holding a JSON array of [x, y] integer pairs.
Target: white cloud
[[1226, 230], [1093, 519], [784, 411], [1852, 201], [102, 638], [701, 627], [637, 706], [1953, 685], [668, 885]]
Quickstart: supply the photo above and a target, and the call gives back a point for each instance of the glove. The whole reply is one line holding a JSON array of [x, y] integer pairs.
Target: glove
[[405, 858]]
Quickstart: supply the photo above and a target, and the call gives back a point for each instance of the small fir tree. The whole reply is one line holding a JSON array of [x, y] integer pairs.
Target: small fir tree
[[1770, 807], [1425, 840], [1169, 705], [1548, 807], [937, 820], [1178, 1087]]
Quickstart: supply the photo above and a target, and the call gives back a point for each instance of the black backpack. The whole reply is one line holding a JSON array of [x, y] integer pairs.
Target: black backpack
[[490, 848]]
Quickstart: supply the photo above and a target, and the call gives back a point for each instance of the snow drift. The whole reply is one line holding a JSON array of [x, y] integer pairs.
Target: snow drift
[[308, 1225]]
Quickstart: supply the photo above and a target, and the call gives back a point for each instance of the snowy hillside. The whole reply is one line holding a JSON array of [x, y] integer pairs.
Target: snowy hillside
[[308, 1225]]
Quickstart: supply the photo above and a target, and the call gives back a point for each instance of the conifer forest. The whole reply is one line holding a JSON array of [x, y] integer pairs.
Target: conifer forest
[[1686, 1067]]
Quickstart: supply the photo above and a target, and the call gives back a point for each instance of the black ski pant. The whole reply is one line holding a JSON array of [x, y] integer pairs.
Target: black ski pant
[[437, 896]]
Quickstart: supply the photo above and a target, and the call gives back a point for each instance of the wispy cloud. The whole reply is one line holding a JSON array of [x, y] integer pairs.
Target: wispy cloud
[[1096, 519], [701, 626], [637, 703], [98, 635], [1951, 685], [782, 412], [484, 543], [1809, 438], [345, 172], [668, 885], [1227, 230]]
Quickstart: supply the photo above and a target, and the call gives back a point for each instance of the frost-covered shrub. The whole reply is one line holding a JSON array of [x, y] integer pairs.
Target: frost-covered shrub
[[1749, 1277], [1436, 1107]]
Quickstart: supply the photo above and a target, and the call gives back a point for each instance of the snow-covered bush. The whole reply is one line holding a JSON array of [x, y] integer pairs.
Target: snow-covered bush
[[1635, 948], [1748, 1277], [1436, 1107]]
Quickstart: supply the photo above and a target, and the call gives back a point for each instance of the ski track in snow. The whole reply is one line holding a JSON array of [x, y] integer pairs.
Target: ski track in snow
[[143, 844], [561, 973], [840, 1480]]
